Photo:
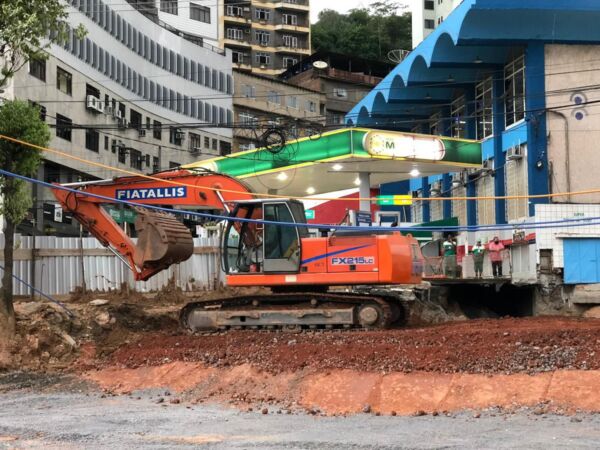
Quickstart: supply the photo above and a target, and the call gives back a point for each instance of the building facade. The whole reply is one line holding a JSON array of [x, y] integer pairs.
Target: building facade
[[262, 104], [266, 37], [130, 95], [198, 19], [529, 94], [427, 15], [344, 81]]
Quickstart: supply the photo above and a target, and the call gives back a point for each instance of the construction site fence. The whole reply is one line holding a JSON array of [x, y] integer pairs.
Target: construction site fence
[[60, 266]]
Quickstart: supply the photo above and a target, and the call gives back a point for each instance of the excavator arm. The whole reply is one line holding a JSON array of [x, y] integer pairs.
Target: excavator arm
[[162, 239]]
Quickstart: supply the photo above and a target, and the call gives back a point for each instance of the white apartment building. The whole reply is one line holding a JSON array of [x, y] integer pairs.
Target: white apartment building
[[427, 15], [198, 19], [130, 95]]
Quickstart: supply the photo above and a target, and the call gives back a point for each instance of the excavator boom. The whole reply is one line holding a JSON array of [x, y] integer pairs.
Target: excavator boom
[[162, 239]]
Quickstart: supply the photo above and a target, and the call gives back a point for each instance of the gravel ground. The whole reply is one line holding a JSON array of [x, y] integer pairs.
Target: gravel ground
[[40, 419]]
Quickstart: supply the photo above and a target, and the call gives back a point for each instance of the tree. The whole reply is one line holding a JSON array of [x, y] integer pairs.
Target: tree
[[27, 28], [366, 33], [21, 121]]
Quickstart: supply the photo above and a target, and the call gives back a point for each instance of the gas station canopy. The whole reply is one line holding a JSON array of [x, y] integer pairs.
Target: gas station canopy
[[333, 161]]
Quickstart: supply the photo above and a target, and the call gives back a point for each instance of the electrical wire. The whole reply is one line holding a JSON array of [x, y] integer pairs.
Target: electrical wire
[[562, 223], [265, 195]]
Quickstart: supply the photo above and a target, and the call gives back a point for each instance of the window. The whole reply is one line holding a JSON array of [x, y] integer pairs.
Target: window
[[514, 90], [483, 108], [263, 37], [105, 142], [37, 68], [173, 164], [135, 159], [335, 118], [64, 125], [64, 81], [237, 57], [290, 41], [429, 5], [91, 90], [249, 91], [92, 140], [235, 33], [340, 92], [175, 136], [292, 101], [135, 118], [262, 14], [311, 106], [290, 19], [224, 148], [274, 97], [199, 13], [214, 144], [157, 130], [263, 59], [41, 108], [457, 113], [206, 142], [235, 11], [155, 164], [289, 62], [429, 24], [195, 142], [168, 6]]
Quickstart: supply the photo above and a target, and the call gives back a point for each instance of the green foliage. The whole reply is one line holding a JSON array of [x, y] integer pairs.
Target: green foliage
[[366, 33], [27, 27], [21, 121]]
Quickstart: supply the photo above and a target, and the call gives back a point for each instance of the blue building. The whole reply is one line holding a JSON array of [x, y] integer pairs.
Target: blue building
[[520, 75]]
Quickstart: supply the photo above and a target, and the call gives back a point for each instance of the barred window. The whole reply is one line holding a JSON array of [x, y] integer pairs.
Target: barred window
[[484, 108]]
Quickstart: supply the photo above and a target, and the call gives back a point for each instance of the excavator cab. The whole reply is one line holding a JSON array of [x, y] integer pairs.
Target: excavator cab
[[250, 247]]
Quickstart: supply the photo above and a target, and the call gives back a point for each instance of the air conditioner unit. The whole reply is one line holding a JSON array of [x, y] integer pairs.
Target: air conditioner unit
[[195, 150], [488, 165], [514, 153], [180, 135], [263, 66], [94, 103], [108, 110], [246, 9], [118, 114], [122, 122], [142, 133]]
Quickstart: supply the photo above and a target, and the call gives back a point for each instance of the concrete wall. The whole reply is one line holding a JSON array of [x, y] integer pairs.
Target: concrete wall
[[569, 69]]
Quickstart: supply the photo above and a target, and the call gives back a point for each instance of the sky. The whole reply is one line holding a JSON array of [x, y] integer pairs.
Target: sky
[[342, 6]]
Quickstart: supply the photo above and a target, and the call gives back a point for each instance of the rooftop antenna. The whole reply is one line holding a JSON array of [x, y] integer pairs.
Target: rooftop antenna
[[398, 55]]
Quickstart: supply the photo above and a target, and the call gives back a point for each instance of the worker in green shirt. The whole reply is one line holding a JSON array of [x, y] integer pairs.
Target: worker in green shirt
[[449, 252], [478, 252]]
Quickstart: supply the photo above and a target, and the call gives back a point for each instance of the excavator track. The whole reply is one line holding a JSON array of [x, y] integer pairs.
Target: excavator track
[[291, 311]]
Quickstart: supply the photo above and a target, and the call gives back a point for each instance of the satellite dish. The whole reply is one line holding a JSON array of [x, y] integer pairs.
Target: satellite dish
[[397, 56], [320, 65]]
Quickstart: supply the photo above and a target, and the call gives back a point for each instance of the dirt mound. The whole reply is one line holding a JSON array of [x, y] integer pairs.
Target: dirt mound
[[481, 346]]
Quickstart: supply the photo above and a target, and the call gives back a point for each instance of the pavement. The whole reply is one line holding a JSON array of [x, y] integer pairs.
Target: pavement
[[93, 421]]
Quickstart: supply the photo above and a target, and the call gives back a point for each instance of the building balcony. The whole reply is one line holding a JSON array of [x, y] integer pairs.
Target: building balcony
[[301, 28], [296, 50], [296, 6], [242, 20], [237, 43], [242, 65]]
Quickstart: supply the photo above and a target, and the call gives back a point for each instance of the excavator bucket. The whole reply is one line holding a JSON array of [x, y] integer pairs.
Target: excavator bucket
[[162, 240]]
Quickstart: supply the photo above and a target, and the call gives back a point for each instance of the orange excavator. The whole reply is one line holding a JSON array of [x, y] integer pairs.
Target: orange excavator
[[344, 279]]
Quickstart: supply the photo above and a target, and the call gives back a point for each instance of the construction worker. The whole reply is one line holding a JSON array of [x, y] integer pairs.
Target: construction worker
[[495, 249], [478, 251], [449, 252]]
